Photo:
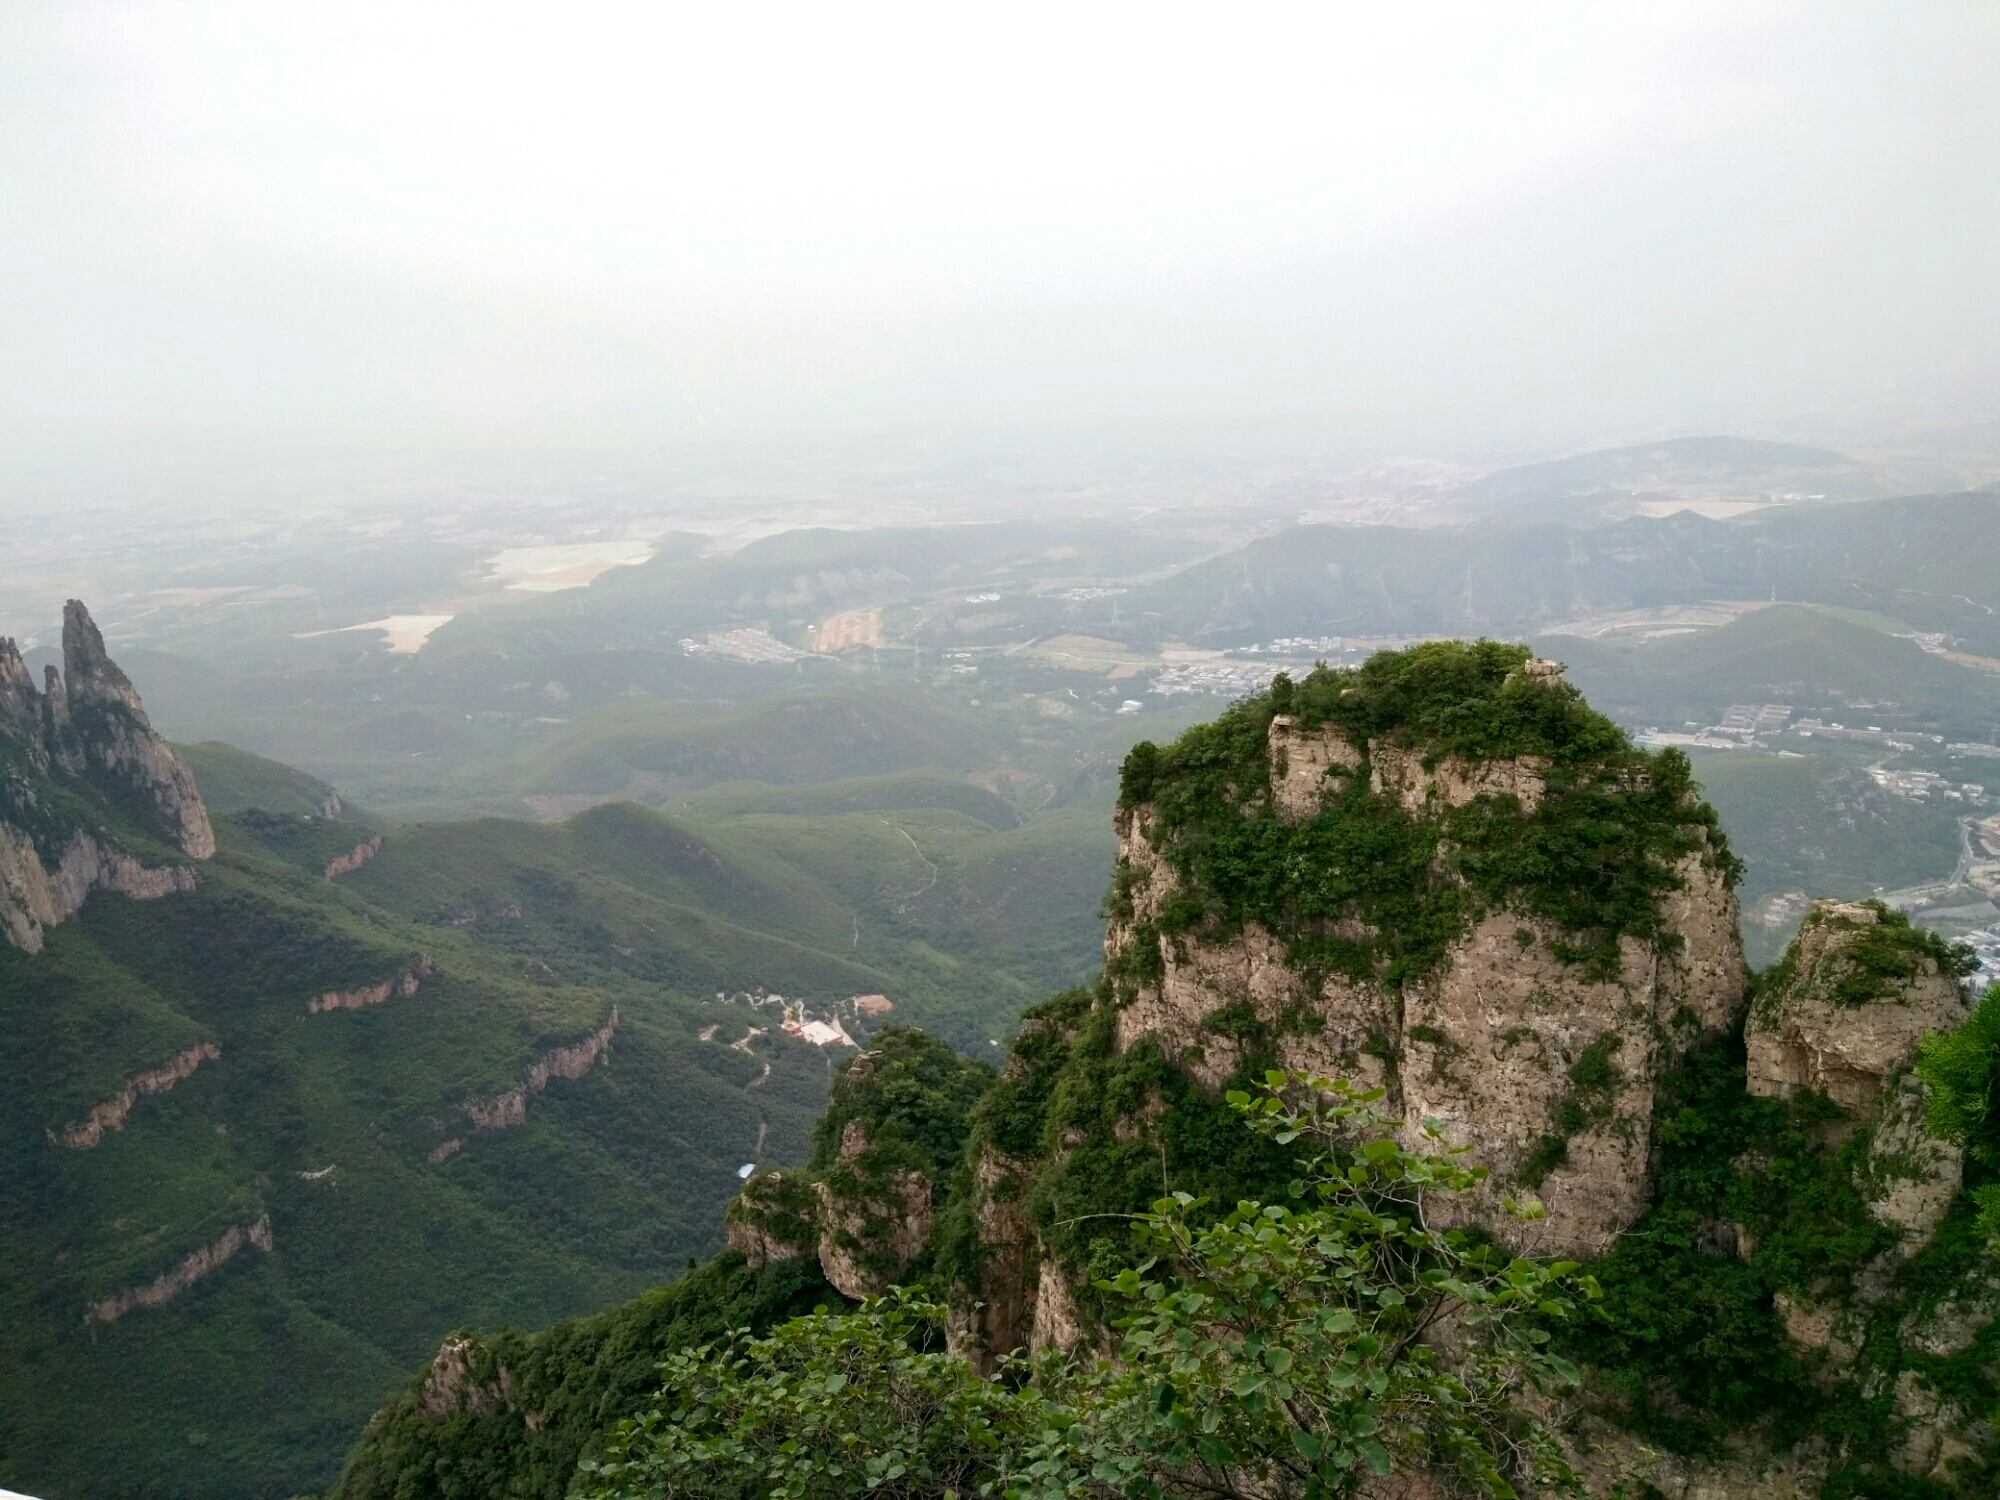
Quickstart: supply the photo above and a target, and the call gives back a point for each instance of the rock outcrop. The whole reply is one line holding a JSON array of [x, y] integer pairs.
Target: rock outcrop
[[883, 1151], [405, 982], [872, 1230], [1544, 1070], [511, 1108], [110, 1115], [355, 858], [1855, 993], [116, 739], [864, 1220], [774, 1218], [170, 1284], [37, 893], [79, 759]]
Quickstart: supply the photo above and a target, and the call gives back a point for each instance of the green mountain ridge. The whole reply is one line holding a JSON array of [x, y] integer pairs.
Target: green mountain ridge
[[284, 1060]]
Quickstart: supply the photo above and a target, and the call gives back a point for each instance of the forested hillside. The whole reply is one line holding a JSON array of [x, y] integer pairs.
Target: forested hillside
[[342, 1086]]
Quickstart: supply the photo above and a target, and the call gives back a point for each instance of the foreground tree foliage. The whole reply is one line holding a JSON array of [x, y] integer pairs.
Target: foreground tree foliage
[[1280, 1350], [1962, 1071]]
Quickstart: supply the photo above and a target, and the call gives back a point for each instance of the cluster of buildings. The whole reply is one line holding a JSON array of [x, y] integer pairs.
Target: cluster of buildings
[[1230, 678], [750, 644], [1985, 945], [1920, 786], [797, 1020], [1870, 734], [1742, 725], [1302, 647]]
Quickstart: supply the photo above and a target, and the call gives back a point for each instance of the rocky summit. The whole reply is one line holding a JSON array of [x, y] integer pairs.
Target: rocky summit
[[88, 792]]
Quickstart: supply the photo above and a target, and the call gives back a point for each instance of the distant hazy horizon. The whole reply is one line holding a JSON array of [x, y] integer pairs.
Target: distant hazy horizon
[[257, 250]]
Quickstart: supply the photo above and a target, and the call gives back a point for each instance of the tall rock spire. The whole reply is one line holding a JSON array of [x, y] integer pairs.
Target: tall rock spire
[[84, 743], [116, 739]]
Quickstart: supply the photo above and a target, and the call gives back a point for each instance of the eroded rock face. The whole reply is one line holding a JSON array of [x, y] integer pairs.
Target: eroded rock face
[[775, 1217], [83, 741], [1009, 1286], [459, 1380], [1305, 767], [1802, 1034], [405, 982], [355, 858], [864, 1221], [118, 739], [110, 1115], [35, 895], [866, 1238], [1499, 1045], [1909, 1176]]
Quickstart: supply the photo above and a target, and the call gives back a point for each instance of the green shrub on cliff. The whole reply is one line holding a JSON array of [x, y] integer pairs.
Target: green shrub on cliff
[[1281, 1347], [1371, 890], [1962, 1070]]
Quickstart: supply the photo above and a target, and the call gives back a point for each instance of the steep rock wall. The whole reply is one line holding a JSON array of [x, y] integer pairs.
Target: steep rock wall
[[1828, 1020], [77, 757], [1491, 1042], [355, 858], [405, 982], [34, 897]]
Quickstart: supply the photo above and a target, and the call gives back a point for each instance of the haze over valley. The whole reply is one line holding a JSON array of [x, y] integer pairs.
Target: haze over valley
[[676, 680]]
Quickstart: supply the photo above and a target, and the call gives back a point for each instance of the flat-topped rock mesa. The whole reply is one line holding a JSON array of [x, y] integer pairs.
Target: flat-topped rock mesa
[[80, 765]]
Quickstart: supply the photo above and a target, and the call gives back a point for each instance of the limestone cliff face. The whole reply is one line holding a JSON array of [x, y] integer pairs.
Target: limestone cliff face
[[117, 740], [36, 894], [403, 982], [865, 1221], [872, 1223], [77, 757], [1545, 1072], [110, 1115], [895, 1123], [1852, 998]]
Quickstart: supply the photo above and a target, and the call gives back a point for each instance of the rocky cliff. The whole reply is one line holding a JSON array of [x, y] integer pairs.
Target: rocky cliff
[[885, 1153], [1816, 1178], [1444, 876], [87, 789]]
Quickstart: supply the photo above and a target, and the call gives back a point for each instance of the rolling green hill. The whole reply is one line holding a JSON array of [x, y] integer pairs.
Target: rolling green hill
[[1929, 560], [1816, 659], [663, 748]]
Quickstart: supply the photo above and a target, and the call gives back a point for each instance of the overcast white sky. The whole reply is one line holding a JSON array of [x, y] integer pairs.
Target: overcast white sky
[[273, 227]]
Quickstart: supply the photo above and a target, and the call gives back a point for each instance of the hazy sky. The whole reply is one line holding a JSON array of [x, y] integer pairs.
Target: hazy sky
[[272, 228]]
